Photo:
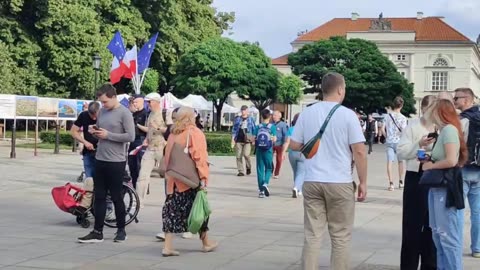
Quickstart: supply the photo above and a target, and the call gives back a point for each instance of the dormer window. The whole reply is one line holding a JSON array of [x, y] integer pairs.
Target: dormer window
[[401, 57]]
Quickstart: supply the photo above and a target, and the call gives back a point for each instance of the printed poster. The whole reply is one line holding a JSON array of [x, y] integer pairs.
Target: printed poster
[[47, 107], [67, 108], [81, 104], [26, 106], [7, 106]]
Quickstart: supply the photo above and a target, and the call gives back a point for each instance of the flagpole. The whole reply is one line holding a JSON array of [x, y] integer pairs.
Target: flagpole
[[143, 77]]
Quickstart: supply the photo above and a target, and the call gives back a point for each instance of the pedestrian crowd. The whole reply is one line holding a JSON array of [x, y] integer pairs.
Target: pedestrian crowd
[[324, 144]]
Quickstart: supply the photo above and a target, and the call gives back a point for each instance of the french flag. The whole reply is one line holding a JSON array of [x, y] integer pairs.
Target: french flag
[[117, 48], [130, 62]]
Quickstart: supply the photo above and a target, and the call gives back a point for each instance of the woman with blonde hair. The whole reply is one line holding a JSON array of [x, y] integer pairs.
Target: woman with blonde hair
[[445, 198], [180, 196], [417, 243]]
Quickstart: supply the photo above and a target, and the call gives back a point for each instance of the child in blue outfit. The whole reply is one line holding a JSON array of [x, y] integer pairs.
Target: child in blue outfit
[[265, 139]]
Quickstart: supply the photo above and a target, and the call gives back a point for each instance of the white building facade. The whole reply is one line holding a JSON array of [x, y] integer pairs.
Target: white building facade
[[426, 51]]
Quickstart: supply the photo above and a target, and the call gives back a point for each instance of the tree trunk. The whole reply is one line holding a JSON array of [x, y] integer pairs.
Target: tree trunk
[[218, 121]]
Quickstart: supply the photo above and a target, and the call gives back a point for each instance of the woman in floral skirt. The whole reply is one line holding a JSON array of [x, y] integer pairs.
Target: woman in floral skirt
[[180, 197]]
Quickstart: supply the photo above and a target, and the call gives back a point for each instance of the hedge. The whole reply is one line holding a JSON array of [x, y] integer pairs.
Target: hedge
[[219, 144], [49, 137], [216, 142]]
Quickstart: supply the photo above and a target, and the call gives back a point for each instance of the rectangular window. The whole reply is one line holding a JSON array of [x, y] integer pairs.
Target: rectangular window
[[439, 81], [401, 57]]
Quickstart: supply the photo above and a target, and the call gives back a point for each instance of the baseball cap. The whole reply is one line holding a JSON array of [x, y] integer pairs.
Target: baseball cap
[[153, 97], [134, 96], [244, 107]]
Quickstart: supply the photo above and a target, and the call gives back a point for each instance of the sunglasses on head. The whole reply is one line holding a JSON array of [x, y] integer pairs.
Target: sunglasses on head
[[457, 98]]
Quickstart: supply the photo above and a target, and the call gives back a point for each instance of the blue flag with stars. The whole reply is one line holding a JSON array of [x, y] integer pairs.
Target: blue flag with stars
[[117, 47], [143, 57]]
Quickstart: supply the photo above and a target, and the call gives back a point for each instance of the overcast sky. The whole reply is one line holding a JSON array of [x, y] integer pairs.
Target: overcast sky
[[275, 23]]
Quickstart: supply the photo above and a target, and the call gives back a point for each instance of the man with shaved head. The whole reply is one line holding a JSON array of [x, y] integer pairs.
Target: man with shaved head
[[280, 145]]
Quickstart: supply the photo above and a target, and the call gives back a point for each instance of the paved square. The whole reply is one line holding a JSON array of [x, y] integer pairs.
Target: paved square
[[253, 233]]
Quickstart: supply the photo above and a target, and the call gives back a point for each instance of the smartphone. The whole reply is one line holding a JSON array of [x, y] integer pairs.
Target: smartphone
[[432, 135], [95, 127]]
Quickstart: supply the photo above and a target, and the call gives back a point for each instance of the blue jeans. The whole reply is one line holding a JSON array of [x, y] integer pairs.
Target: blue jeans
[[298, 166], [447, 230], [89, 164], [471, 190]]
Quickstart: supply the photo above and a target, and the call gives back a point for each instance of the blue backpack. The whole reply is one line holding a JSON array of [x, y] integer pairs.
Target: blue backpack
[[264, 140]]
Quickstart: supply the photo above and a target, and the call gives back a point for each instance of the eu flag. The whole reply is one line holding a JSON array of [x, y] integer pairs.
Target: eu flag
[[116, 46], [143, 57]]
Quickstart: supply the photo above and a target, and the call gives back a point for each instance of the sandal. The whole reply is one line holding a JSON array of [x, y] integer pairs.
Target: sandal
[[170, 253], [210, 248]]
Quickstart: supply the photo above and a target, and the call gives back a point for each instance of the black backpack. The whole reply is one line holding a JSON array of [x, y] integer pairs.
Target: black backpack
[[473, 140]]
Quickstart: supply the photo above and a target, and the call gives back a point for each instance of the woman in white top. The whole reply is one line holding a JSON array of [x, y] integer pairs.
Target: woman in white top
[[417, 242]]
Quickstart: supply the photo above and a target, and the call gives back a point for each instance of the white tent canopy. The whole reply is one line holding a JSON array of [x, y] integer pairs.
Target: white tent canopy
[[198, 102], [169, 101]]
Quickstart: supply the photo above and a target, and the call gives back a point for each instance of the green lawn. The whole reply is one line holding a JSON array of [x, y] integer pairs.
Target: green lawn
[[21, 133], [43, 146]]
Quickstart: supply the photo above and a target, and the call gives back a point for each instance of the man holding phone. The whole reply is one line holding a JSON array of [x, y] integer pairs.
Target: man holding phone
[[114, 129], [84, 120]]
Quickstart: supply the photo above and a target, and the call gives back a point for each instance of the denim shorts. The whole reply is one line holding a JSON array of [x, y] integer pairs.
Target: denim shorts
[[392, 152]]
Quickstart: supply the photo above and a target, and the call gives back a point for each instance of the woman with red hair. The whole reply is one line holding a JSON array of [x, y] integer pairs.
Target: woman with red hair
[[445, 202]]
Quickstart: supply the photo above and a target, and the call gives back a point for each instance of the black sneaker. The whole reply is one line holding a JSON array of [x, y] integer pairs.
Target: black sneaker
[[240, 174], [92, 237], [266, 191], [120, 236], [249, 171]]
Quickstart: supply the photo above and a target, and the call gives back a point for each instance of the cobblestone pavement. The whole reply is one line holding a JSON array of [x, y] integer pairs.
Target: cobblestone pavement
[[253, 233]]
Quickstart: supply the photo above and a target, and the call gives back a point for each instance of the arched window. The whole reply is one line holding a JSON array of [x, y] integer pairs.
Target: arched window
[[440, 62]]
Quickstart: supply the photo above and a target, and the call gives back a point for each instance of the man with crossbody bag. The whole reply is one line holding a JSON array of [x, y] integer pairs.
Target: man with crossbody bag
[[395, 123], [330, 135]]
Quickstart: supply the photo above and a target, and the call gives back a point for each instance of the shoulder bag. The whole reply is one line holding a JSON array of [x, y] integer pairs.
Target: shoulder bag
[[181, 166]]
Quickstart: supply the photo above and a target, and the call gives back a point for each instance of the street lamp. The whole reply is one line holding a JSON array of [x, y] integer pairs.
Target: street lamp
[[97, 60]]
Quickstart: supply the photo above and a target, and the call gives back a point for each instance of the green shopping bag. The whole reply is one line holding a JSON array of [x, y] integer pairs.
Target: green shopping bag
[[199, 213]]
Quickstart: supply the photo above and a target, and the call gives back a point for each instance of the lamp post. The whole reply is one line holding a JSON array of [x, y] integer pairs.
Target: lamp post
[[96, 60]]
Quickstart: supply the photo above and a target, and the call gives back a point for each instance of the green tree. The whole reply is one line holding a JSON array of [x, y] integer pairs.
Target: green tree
[[151, 81], [372, 80], [290, 90], [181, 24], [260, 80], [212, 69], [51, 42]]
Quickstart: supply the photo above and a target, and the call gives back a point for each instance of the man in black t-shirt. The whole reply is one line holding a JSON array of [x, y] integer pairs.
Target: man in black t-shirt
[[140, 118], [85, 119]]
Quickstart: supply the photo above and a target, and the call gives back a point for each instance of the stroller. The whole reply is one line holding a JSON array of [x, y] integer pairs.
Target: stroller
[[68, 198]]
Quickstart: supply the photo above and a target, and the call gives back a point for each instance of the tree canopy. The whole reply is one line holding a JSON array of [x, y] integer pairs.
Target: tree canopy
[[372, 79], [218, 67], [290, 90], [48, 45], [260, 78]]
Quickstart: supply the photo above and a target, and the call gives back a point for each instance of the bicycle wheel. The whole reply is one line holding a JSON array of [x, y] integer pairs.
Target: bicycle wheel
[[132, 207]]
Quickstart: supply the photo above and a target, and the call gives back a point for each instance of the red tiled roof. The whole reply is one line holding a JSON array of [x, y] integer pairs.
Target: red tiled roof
[[281, 61], [426, 29]]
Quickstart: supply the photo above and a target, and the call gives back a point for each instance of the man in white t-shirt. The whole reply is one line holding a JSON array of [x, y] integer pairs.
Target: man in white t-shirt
[[395, 123], [329, 191]]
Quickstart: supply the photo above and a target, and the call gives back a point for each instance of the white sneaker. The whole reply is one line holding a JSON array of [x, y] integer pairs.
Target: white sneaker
[[160, 236], [187, 235]]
